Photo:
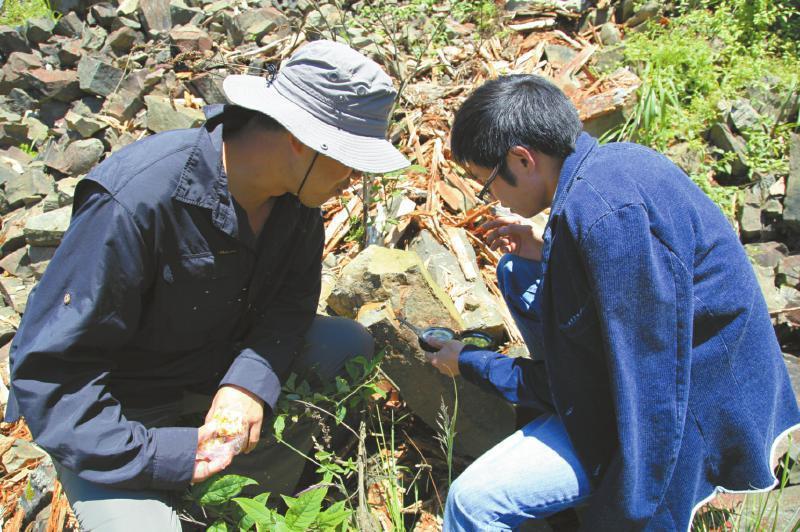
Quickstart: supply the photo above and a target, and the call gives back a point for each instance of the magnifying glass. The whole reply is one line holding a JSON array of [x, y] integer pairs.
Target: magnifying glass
[[444, 334]]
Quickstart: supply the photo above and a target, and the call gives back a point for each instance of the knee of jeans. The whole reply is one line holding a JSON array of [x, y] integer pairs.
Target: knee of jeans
[[467, 499]]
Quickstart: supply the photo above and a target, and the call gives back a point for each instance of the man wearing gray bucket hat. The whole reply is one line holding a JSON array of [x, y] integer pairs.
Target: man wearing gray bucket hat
[[188, 283]]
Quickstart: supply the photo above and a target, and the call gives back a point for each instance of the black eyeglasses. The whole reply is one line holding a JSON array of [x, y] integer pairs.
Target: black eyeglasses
[[489, 181]]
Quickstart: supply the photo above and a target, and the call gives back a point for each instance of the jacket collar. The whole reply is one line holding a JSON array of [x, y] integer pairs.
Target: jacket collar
[[584, 145], [203, 181]]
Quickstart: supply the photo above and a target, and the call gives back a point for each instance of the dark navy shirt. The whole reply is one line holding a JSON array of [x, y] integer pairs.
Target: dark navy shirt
[[159, 286], [659, 353]]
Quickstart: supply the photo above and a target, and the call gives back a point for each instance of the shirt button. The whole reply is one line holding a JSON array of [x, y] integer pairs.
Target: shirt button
[[568, 411]]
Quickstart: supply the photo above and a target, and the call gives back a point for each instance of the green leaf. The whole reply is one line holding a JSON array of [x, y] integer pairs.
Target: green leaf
[[303, 511], [341, 385], [219, 490], [247, 522], [260, 514], [218, 526], [333, 516], [341, 411], [278, 425]]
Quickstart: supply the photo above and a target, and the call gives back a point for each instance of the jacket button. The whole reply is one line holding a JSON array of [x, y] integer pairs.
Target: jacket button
[[569, 411], [596, 471]]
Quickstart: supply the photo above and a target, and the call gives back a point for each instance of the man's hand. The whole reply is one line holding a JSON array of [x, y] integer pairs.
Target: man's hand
[[230, 397], [446, 359], [513, 234], [204, 468]]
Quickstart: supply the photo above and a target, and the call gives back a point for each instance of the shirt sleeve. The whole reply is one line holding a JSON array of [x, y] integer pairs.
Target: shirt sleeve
[[278, 333], [520, 380], [86, 305], [643, 296]]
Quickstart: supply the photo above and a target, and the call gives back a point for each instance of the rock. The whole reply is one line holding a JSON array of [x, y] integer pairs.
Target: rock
[[190, 39], [40, 29], [208, 86], [122, 40], [12, 41], [20, 101], [85, 126], [29, 188], [789, 271], [645, 13], [94, 37], [4, 356], [750, 216], [608, 110], [766, 280], [156, 17], [772, 99], [17, 264], [17, 65], [521, 7], [477, 307], [690, 158], [722, 137], [39, 258], [559, 55], [743, 118], [70, 53], [253, 24], [380, 274], [9, 323], [183, 15], [767, 254], [20, 454], [97, 77], [123, 105], [610, 34], [773, 209], [47, 229], [11, 235], [484, 419], [161, 116], [791, 203], [128, 7], [69, 25], [61, 85], [39, 490], [79, 157], [104, 14]]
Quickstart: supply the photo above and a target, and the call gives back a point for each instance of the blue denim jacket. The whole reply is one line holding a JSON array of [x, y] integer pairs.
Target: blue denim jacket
[[659, 351], [159, 286]]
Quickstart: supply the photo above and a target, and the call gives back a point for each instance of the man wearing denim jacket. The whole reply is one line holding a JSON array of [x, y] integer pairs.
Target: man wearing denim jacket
[[658, 364], [188, 282]]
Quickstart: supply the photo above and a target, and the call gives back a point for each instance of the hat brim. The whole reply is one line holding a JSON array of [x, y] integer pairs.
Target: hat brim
[[366, 154]]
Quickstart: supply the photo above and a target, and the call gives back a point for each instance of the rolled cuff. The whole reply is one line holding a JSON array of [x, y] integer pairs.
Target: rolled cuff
[[176, 448], [473, 364], [251, 372]]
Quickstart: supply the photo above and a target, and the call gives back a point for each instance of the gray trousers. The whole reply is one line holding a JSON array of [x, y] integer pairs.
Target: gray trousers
[[329, 344]]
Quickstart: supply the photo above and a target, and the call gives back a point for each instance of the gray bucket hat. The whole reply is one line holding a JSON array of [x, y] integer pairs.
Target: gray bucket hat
[[333, 99]]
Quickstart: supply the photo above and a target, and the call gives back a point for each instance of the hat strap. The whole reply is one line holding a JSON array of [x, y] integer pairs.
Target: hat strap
[[310, 166]]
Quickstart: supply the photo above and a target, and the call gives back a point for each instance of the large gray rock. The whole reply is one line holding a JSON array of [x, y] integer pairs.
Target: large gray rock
[[98, 77], [477, 307], [69, 25], [749, 216], [78, 158], [47, 229], [789, 271], [190, 39], [40, 29], [610, 34], [722, 137], [20, 454], [86, 126], [766, 257], [791, 203], [122, 40], [70, 53], [208, 86], [12, 41], [643, 14], [690, 158], [17, 264], [183, 14], [743, 117], [28, 188], [61, 85], [162, 116], [39, 490], [483, 419], [251, 25], [156, 17]]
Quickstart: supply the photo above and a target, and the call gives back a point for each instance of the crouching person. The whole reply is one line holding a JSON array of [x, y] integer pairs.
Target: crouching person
[[661, 373], [189, 278]]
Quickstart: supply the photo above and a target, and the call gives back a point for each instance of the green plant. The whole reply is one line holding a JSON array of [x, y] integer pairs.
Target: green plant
[[446, 434], [16, 12]]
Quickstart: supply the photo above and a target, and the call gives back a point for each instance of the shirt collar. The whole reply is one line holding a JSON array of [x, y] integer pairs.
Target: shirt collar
[[584, 145], [203, 181]]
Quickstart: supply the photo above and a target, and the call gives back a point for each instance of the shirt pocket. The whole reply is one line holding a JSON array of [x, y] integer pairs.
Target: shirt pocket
[[199, 299], [579, 324]]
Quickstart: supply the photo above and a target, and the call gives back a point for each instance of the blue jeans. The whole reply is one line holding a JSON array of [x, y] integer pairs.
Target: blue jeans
[[534, 472]]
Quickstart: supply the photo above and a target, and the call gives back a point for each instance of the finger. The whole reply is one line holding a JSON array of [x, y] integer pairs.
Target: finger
[[200, 472], [255, 435], [205, 432], [435, 343]]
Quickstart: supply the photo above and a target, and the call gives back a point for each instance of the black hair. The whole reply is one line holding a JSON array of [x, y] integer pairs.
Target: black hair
[[236, 119], [515, 110]]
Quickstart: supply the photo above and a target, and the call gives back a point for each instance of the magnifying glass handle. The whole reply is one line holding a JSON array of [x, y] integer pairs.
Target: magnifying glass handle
[[404, 322]]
